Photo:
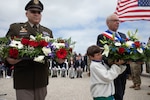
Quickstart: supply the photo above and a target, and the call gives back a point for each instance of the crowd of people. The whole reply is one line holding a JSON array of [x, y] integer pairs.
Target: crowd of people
[[73, 67]]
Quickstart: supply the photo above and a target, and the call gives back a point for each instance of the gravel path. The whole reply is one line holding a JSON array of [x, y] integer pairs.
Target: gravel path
[[74, 89]]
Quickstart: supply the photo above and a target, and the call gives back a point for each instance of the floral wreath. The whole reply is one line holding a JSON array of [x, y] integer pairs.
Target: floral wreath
[[36, 47], [129, 49]]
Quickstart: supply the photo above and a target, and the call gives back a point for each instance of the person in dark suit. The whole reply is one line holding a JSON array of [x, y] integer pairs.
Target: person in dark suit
[[30, 78], [79, 66], [63, 68], [112, 22]]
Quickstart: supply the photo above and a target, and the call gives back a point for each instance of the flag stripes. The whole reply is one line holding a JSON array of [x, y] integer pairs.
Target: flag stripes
[[129, 10]]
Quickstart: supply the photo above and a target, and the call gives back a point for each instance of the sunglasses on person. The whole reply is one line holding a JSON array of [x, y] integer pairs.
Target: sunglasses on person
[[35, 12]]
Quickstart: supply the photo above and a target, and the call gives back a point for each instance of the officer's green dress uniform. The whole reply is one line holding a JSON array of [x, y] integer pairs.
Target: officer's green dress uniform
[[28, 74]]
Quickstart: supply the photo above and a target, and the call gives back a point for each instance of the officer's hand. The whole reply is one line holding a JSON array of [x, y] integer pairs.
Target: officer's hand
[[12, 61]]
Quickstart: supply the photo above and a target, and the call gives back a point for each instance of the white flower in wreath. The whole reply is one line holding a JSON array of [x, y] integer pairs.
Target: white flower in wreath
[[58, 45], [118, 44], [32, 37], [129, 44], [46, 51], [39, 59], [106, 50], [47, 38], [140, 50], [16, 44]]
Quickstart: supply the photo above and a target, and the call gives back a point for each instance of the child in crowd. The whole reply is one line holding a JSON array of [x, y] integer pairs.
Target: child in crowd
[[101, 75]]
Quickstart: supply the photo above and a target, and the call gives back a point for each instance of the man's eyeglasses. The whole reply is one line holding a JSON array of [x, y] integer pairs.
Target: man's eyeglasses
[[35, 12], [114, 20]]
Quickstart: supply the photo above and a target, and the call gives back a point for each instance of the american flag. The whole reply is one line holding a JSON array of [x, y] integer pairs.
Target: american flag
[[130, 10]]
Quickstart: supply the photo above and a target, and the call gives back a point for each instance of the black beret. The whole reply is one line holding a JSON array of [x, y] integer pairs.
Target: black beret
[[34, 4]]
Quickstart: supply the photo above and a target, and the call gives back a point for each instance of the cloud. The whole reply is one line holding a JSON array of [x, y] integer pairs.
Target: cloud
[[67, 13], [82, 20]]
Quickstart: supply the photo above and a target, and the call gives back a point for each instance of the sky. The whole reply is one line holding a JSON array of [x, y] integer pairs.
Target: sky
[[82, 20]]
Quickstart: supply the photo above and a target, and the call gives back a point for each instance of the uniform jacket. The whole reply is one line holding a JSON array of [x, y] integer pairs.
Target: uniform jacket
[[27, 73]]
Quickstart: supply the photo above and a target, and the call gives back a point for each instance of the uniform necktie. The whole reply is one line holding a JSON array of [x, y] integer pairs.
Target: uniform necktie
[[35, 28]]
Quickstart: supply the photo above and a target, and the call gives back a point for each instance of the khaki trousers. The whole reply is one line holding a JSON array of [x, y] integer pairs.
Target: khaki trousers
[[136, 73], [36, 94]]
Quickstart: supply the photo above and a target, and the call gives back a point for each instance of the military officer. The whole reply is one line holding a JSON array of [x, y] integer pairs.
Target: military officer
[[30, 78]]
